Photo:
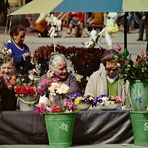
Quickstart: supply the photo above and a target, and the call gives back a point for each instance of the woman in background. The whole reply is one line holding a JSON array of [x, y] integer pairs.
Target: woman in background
[[19, 50]]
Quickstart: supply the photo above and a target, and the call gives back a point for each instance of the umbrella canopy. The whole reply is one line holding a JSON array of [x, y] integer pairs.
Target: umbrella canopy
[[102, 6], [37, 6]]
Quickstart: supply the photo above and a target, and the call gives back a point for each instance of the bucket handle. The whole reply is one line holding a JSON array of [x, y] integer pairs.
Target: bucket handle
[[27, 102]]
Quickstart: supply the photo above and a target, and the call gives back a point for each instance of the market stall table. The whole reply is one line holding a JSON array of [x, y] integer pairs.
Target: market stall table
[[91, 127]]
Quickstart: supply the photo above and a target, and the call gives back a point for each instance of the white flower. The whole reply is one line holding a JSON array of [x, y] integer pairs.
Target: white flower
[[105, 101], [63, 89], [58, 88], [78, 77], [43, 100]]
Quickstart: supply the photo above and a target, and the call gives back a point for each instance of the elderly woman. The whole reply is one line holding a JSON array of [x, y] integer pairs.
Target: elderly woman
[[106, 79], [58, 69]]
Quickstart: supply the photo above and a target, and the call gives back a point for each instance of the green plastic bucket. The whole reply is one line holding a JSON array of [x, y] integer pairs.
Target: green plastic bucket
[[60, 129], [139, 122], [139, 95]]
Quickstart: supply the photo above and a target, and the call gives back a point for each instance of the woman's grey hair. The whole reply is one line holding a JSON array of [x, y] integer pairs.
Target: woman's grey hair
[[54, 58]]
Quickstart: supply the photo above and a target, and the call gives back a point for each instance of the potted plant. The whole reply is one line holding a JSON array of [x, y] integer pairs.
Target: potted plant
[[81, 102], [58, 112], [136, 73]]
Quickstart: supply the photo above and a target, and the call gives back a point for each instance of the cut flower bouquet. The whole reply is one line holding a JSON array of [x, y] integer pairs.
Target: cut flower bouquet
[[132, 70], [53, 97]]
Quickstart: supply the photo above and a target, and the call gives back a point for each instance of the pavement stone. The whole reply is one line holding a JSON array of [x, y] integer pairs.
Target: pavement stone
[[81, 146]]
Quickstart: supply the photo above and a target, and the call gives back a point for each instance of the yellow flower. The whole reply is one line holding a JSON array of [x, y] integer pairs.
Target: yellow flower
[[77, 100], [112, 102]]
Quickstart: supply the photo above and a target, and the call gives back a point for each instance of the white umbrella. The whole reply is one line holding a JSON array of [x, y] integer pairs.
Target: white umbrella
[[37, 6]]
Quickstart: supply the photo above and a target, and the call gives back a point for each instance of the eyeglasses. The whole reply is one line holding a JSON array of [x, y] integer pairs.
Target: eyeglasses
[[115, 69]]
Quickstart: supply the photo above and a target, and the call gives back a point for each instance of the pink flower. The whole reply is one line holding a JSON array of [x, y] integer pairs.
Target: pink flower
[[39, 109], [142, 52], [118, 99], [119, 47], [12, 81], [9, 86]]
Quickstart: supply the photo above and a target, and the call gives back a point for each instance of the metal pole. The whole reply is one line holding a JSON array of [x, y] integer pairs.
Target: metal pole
[[125, 29]]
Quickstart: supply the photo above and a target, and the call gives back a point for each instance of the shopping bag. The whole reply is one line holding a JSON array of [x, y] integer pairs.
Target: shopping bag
[[112, 28]]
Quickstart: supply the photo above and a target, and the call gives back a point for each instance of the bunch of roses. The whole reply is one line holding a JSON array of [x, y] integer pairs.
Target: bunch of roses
[[25, 90], [132, 70]]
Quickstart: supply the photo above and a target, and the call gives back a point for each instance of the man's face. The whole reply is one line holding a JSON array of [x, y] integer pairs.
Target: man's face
[[112, 69], [60, 70]]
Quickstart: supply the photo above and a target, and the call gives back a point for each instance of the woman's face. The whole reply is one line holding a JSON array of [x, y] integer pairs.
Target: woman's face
[[112, 69], [19, 38], [60, 70], [7, 68]]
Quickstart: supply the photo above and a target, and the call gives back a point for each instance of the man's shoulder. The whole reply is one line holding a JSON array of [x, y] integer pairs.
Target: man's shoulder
[[97, 73]]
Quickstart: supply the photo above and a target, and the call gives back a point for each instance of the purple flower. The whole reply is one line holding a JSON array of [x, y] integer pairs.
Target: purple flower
[[75, 95]]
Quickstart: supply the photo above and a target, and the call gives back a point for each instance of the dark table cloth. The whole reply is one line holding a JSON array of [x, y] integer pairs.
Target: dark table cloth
[[18, 127]]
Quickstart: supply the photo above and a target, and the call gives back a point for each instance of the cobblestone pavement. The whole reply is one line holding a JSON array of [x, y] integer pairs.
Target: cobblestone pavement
[[33, 41]]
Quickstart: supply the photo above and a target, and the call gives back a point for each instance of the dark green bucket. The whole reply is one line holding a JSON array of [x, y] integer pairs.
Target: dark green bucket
[[60, 129], [139, 95], [139, 122]]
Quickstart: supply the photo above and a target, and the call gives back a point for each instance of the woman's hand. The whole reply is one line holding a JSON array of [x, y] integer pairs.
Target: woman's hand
[[50, 74], [6, 51], [27, 55]]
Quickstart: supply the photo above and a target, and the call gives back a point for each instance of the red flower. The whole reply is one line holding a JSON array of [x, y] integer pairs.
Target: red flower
[[56, 109], [24, 90], [31, 90], [122, 61], [17, 89]]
